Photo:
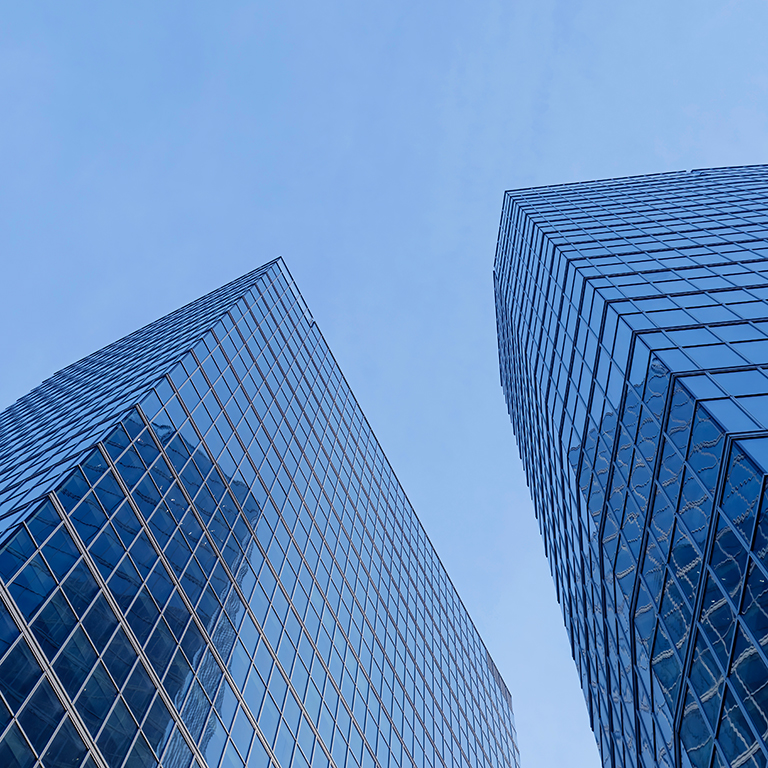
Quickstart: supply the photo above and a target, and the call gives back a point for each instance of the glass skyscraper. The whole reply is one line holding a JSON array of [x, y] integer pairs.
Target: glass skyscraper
[[206, 560], [633, 336]]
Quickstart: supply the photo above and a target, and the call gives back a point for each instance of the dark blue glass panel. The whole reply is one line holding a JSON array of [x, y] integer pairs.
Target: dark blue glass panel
[[72, 490], [208, 609], [741, 493], [142, 616], [224, 637], [193, 644], [162, 475], [117, 735], [94, 466], [96, 698], [178, 552], [109, 493], [67, 749], [193, 581], [143, 554], [160, 584], [5, 716], [125, 584], [707, 680], [192, 529], [88, 518], [205, 504], [146, 496], [18, 674], [217, 486], [178, 679], [735, 736], [178, 453], [54, 624], [158, 726], [228, 507], [32, 586], [706, 448], [206, 556], [163, 525], [160, 647], [755, 614], [750, 680], [242, 533], [8, 630], [43, 521], [100, 622], [119, 657], [15, 552], [177, 615], [232, 553], [141, 755], [133, 424], [147, 448], [176, 502], [41, 715], [14, 750], [139, 691], [117, 442], [717, 621], [226, 704], [729, 559], [80, 587], [107, 550], [210, 674], [220, 581], [195, 710], [126, 524], [61, 553], [75, 662], [203, 462], [130, 467]]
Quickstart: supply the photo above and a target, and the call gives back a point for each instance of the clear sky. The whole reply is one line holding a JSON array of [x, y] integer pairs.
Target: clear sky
[[151, 151]]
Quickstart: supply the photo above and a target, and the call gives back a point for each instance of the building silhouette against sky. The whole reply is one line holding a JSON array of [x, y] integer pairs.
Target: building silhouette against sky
[[633, 338], [207, 560]]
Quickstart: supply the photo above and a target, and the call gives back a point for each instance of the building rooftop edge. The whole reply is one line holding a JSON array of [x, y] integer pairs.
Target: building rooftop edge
[[629, 179]]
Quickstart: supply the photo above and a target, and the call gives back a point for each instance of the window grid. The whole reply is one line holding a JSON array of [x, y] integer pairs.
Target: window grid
[[251, 553], [632, 323]]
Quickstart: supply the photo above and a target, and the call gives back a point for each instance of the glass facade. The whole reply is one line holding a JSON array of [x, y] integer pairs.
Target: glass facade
[[633, 338], [206, 560]]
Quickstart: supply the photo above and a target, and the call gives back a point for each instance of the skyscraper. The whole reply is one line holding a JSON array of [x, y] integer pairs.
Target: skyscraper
[[633, 339], [207, 560]]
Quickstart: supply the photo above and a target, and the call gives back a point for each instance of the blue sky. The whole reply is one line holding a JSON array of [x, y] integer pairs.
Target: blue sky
[[153, 151]]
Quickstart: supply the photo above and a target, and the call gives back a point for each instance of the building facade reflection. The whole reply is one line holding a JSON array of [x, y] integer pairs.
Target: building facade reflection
[[633, 339], [207, 560]]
